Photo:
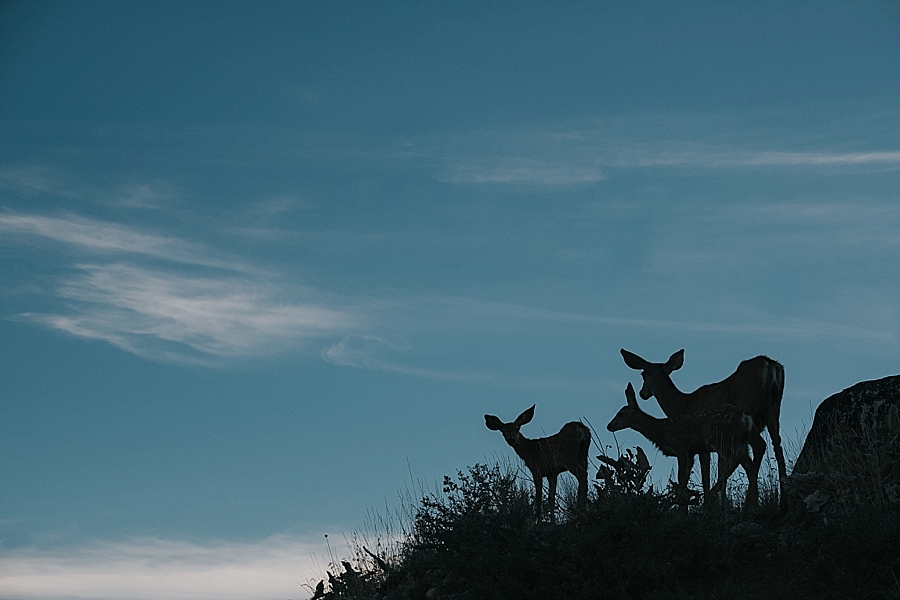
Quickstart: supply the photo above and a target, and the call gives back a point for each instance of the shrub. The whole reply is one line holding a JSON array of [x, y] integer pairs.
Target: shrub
[[477, 539]]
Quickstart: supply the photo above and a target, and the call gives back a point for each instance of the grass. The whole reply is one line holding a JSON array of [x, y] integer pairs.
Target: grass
[[476, 538]]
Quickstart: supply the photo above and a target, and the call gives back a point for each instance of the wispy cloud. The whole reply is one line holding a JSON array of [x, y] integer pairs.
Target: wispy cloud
[[36, 180], [872, 227], [583, 152], [425, 315], [522, 171], [188, 305], [731, 157], [107, 237], [821, 158], [798, 328], [800, 237], [364, 352], [587, 158], [171, 316], [821, 212], [143, 196], [153, 569]]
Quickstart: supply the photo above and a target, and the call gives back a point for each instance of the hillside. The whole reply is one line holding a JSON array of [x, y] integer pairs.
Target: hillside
[[836, 535]]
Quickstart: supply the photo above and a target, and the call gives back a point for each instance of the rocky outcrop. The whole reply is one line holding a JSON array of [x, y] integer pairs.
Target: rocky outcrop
[[852, 452]]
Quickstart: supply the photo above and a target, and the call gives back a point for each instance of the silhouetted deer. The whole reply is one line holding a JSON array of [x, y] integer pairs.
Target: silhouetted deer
[[756, 387], [721, 429], [549, 456]]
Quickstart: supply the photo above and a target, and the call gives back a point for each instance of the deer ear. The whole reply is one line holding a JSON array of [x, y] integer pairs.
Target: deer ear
[[629, 395], [492, 422], [676, 361], [633, 360], [642, 462], [525, 417]]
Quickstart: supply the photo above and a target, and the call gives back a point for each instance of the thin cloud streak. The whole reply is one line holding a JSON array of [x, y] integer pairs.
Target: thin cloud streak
[[36, 180], [106, 237], [359, 352], [577, 154], [480, 313], [535, 172], [142, 196], [153, 569], [162, 315], [372, 352], [730, 158], [833, 213], [814, 226], [821, 158], [523, 171], [191, 307]]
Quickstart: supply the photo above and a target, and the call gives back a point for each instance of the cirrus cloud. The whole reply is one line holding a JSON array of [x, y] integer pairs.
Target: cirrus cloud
[[154, 569], [173, 316], [165, 298]]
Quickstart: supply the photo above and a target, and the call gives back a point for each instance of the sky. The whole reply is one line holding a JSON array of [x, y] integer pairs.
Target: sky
[[265, 266]]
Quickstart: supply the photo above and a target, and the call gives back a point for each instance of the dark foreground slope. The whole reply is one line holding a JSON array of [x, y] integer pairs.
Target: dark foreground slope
[[836, 535], [478, 540]]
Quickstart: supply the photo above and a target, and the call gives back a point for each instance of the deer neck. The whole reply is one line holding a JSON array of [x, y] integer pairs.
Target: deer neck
[[672, 400], [653, 429], [526, 448], [647, 425]]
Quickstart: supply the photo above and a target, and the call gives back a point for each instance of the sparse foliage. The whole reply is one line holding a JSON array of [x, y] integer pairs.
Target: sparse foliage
[[628, 473], [476, 539]]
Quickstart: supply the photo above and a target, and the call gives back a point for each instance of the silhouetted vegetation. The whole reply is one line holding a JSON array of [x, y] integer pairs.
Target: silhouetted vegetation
[[477, 538]]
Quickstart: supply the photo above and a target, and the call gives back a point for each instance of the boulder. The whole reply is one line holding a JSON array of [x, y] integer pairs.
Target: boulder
[[852, 452]]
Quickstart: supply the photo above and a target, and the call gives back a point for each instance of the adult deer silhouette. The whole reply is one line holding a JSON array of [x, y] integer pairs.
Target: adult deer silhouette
[[721, 429], [547, 457], [756, 388]]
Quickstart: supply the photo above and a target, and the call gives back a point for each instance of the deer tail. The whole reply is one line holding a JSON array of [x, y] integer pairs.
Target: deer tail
[[774, 380], [584, 441]]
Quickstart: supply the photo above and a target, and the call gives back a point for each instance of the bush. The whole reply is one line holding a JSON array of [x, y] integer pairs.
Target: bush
[[477, 539]]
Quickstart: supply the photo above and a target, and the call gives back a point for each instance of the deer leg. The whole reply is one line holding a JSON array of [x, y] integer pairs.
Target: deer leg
[[685, 464], [704, 472], [775, 434], [581, 475], [551, 497], [758, 444], [728, 462], [538, 495], [752, 494]]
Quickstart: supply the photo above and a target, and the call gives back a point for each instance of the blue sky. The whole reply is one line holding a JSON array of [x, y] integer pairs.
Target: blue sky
[[263, 267]]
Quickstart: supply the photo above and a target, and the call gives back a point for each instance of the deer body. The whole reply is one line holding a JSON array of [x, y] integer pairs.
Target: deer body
[[756, 388], [723, 429], [547, 457]]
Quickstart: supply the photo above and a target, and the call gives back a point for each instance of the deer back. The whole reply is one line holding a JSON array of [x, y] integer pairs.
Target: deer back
[[755, 387], [716, 429], [670, 437], [562, 451]]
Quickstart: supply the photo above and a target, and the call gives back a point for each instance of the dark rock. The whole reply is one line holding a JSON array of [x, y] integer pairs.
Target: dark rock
[[852, 452], [855, 413]]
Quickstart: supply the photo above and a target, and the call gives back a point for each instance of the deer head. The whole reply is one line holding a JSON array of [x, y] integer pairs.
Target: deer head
[[655, 375], [626, 414], [510, 431]]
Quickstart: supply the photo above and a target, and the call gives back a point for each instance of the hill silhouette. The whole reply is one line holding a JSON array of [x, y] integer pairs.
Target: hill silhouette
[[835, 536]]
